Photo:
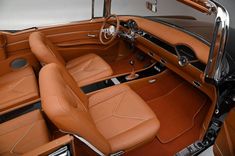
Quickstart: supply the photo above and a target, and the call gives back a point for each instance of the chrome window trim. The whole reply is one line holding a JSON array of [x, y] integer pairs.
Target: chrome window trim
[[214, 69]]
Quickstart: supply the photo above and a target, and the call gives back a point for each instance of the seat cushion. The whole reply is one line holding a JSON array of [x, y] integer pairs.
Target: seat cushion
[[88, 69], [122, 117], [23, 134], [17, 88]]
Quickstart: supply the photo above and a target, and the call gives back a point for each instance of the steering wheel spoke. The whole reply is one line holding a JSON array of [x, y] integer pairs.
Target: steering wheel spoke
[[108, 34]]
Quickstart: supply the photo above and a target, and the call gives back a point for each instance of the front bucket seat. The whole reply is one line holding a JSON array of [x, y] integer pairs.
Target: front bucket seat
[[112, 120], [85, 69]]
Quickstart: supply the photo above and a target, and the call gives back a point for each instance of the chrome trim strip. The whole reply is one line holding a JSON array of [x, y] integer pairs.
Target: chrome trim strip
[[85, 142], [115, 81], [89, 145], [217, 51]]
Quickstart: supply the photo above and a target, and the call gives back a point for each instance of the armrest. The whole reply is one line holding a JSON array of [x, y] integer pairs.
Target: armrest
[[53, 146]]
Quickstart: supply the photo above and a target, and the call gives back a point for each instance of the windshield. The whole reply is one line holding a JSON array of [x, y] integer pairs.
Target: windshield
[[169, 12]]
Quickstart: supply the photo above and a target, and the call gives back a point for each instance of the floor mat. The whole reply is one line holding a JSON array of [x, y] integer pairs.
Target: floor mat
[[156, 148], [177, 110]]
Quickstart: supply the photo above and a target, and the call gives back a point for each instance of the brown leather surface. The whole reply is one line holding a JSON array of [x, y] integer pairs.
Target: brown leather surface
[[44, 50], [225, 142], [17, 88], [52, 146], [130, 120], [85, 69], [88, 68], [22, 134], [71, 111]]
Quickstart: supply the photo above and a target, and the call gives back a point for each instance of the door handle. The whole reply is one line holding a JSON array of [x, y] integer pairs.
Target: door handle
[[91, 35]]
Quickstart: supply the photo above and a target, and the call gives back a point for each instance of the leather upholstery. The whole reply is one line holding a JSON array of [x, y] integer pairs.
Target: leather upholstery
[[85, 69], [130, 119], [17, 88], [23, 134], [44, 50], [88, 68], [113, 119]]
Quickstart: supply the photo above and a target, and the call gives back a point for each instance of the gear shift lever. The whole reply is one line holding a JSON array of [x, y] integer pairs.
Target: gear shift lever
[[132, 75]]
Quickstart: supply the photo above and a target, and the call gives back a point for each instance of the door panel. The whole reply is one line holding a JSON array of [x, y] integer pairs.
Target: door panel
[[225, 142], [71, 40], [82, 39]]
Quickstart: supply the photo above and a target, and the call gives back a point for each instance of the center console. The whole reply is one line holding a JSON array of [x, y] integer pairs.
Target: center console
[[152, 70]]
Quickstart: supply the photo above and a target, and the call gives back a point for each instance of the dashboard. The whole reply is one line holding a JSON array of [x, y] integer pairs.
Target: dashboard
[[179, 56]]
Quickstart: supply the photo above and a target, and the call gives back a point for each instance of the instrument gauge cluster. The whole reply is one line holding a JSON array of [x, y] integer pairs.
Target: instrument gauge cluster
[[132, 24]]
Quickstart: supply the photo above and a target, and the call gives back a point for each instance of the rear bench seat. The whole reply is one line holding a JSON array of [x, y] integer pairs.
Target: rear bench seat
[[17, 89], [23, 134]]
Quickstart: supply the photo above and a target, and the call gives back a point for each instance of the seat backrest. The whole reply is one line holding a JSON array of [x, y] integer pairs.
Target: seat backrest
[[67, 106], [44, 49]]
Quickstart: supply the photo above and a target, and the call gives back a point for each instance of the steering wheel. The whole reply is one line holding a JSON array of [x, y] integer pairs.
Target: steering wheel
[[109, 29]]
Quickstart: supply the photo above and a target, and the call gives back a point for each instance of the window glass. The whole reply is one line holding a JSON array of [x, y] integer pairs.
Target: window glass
[[22, 14], [99, 5]]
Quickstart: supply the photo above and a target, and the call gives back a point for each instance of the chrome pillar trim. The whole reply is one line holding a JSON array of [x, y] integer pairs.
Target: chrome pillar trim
[[107, 8], [92, 9], [214, 68], [89, 145]]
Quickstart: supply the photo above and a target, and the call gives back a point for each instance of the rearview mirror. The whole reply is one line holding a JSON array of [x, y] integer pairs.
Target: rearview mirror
[[152, 6]]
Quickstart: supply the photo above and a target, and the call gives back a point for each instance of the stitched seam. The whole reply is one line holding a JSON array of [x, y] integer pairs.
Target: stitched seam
[[26, 124], [76, 97], [26, 133], [129, 129], [17, 98], [219, 149], [108, 116], [114, 113], [108, 98]]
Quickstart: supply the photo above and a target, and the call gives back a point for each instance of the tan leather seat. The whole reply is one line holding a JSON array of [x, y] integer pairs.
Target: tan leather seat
[[112, 120], [23, 134], [85, 69], [17, 89]]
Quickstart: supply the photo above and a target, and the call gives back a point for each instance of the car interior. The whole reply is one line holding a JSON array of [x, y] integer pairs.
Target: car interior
[[82, 89]]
